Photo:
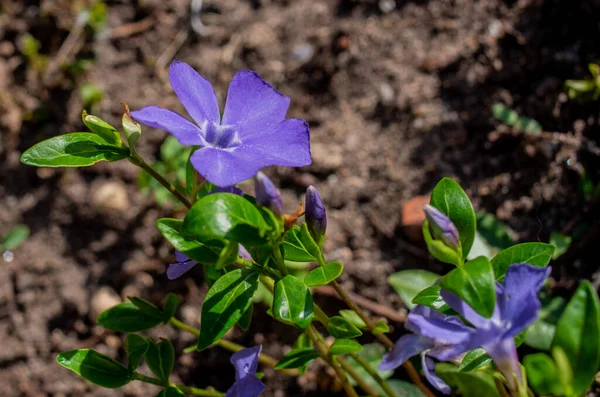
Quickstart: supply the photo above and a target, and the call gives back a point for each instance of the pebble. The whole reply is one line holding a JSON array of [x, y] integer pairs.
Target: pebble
[[111, 195], [103, 299]]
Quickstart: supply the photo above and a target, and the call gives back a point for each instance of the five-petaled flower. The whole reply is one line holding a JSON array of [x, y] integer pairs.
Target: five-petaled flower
[[252, 134], [246, 383], [445, 337]]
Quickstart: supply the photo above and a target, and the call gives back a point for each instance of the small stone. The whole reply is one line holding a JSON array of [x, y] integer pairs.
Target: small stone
[[103, 299], [113, 341], [111, 195], [413, 217], [387, 6], [386, 94], [326, 157]]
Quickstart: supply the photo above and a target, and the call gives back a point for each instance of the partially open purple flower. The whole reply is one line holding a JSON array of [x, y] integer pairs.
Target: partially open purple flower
[[246, 383], [442, 227], [252, 134], [267, 194], [315, 214], [445, 337], [181, 265]]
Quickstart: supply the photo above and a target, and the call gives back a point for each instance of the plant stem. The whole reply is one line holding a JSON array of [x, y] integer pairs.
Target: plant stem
[[136, 159], [356, 376], [363, 363], [194, 391], [279, 260]]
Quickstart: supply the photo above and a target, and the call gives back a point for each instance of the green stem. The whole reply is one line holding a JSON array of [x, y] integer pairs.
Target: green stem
[[136, 159], [194, 391], [356, 376], [147, 379], [279, 260]]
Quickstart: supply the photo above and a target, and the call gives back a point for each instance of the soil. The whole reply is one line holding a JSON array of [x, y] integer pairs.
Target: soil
[[398, 94]]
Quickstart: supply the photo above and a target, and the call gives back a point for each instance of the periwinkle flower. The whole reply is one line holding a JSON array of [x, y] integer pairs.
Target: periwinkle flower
[[442, 227], [246, 383], [182, 265], [445, 337], [315, 214], [252, 134], [267, 194]]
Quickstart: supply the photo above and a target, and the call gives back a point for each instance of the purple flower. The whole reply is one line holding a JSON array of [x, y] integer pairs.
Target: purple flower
[[315, 215], [267, 194], [442, 227], [252, 134], [445, 337], [181, 265], [246, 383]]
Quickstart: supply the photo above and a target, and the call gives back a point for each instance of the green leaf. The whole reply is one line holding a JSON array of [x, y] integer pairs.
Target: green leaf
[[504, 114], [542, 374], [408, 283], [228, 255], [294, 248], [344, 346], [146, 307], [160, 358], [381, 327], [95, 367], [469, 384], [438, 249], [15, 237], [102, 128], [578, 334], [127, 317], [431, 297], [354, 319], [170, 391], [292, 303], [451, 199], [372, 353], [135, 347], [297, 358], [560, 242], [403, 389], [473, 283], [246, 319], [309, 242], [323, 275], [536, 254], [77, 149], [226, 301], [475, 359], [496, 233], [541, 333], [341, 328], [226, 216], [171, 305], [208, 252]]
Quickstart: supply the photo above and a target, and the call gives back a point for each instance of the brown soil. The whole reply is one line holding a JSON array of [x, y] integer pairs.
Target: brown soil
[[397, 93]]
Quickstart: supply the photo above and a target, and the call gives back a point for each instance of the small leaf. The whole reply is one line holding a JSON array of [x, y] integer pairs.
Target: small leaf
[[246, 319], [226, 301], [127, 317], [344, 346], [135, 347], [578, 334], [297, 358], [536, 254], [381, 327], [560, 242], [473, 283], [542, 374], [474, 359], [354, 319], [160, 358], [77, 149], [95, 367], [294, 248], [341, 328], [504, 114], [408, 283], [469, 384], [170, 391], [451, 199], [308, 241], [15, 237], [207, 253], [430, 297], [495, 233], [171, 305], [226, 216], [323, 275], [146, 307], [102, 128], [292, 303]]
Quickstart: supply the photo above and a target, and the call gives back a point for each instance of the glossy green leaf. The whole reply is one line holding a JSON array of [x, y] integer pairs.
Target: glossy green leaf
[[451, 199], [354, 319], [541, 333], [226, 216], [372, 353], [170, 392], [473, 360], [469, 384], [246, 319], [127, 317], [294, 248], [341, 328], [102, 128], [430, 297], [292, 302], [77, 149], [15, 237], [578, 334], [536, 254], [408, 283], [160, 358], [344, 346], [208, 252], [403, 389], [297, 358], [381, 327], [542, 374], [135, 347], [225, 303], [95, 367], [172, 303], [309, 242], [474, 283], [146, 307], [323, 275]]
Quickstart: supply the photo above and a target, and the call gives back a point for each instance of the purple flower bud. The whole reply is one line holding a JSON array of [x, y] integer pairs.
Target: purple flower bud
[[442, 227], [315, 214], [267, 194]]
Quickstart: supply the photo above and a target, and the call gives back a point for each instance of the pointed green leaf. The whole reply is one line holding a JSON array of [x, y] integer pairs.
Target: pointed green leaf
[[297, 358], [77, 149], [207, 252], [146, 307], [294, 248], [381, 327], [226, 301], [341, 328], [323, 275], [172, 303], [95, 367], [542, 374], [160, 358], [15, 237], [408, 283], [102, 128], [292, 302], [536, 254], [135, 347], [127, 317], [474, 359], [353, 318], [344, 346], [474, 283], [246, 319], [469, 384], [430, 297]]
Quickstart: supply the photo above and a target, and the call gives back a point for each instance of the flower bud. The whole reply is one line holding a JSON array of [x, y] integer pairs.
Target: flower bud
[[267, 194], [102, 128], [315, 215], [132, 129], [442, 227]]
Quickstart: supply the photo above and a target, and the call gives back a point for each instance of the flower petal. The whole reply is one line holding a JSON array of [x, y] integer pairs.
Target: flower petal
[[179, 257], [405, 347], [195, 93], [447, 331], [504, 354], [245, 361], [253, 104], [522, 283], [249, 386], [462, 308], [177, 269], [428, 369], [186, 132], [224, 167]]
